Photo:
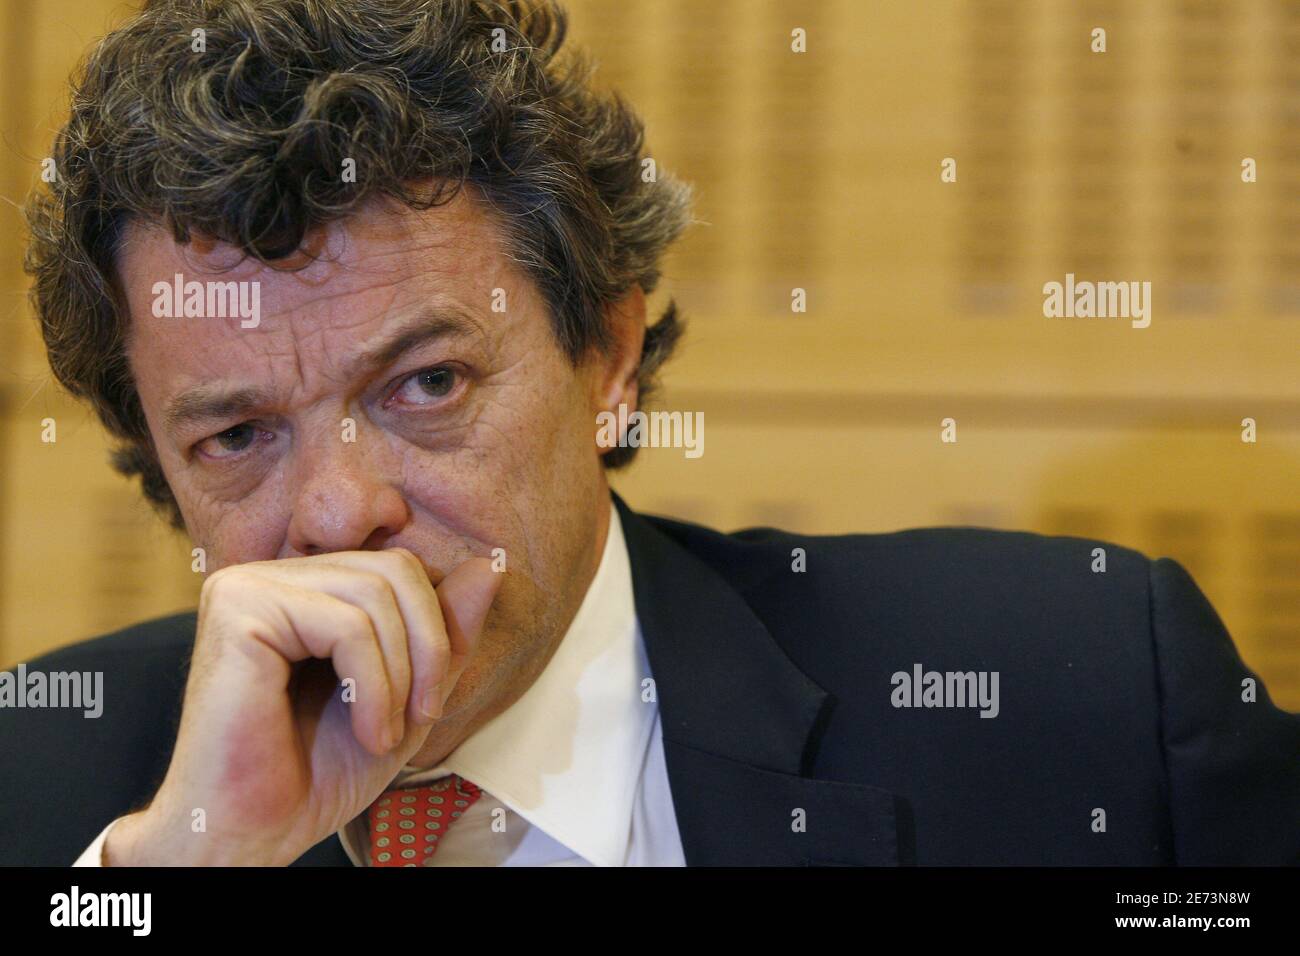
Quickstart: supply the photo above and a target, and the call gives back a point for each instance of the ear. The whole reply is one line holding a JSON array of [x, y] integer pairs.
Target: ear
[[614, 381]]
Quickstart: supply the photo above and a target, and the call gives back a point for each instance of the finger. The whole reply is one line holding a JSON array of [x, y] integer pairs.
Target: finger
[[428, 649], [356, 653], [295, 624], [372, 591], [466, 595]]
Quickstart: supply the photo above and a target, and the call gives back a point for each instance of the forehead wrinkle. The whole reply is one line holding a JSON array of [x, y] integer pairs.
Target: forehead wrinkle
[[411, 238], [304, 332], [380, 283], [413, 330]]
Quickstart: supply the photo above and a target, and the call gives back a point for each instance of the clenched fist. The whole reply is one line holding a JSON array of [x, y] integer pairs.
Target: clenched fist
[[313, 681]]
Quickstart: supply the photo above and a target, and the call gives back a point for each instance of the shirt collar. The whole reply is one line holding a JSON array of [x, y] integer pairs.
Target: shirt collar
[[567, 755]]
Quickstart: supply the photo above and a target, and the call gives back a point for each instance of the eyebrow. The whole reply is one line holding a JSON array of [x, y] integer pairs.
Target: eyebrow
[[205, 403]]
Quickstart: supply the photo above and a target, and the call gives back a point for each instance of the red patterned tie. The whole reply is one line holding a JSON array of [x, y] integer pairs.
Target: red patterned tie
[[407, 825]]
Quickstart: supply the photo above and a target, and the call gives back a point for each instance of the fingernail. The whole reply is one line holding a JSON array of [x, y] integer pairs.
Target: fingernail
[[432, 703], [397, 731]]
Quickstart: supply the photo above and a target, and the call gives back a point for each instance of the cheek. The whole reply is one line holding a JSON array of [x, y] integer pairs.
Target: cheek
[[252, 528], [529, 427], [238, 535], [525, 465]]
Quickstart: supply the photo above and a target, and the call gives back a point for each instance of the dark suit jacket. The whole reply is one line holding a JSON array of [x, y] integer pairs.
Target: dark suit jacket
[[1118, 691]]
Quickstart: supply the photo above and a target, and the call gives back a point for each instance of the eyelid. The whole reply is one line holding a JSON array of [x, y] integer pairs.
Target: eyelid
[[458, 370], [260, 435]]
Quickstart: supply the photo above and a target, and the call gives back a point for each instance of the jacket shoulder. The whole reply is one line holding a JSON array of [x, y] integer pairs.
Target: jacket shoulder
[[944, 557], [846, 606], [164, 636], [70, 770]]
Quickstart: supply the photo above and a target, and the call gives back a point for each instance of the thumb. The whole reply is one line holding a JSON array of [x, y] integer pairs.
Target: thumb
[[465, 595]]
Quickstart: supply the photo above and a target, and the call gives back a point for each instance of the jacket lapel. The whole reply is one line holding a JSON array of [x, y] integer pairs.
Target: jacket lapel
[[738, 723]]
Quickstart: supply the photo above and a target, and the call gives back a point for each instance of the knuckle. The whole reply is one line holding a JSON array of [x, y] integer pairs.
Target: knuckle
[[225, 581], [374, 587], [356, 622], [406, 564]]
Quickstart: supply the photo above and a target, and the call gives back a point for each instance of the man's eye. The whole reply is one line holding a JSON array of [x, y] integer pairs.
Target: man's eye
[[230, 442], [424, 387]]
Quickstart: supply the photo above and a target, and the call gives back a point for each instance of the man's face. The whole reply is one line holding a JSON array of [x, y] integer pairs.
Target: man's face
[[470, 429]]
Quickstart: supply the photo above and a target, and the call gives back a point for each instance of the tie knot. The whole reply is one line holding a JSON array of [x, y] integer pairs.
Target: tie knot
[[407, 825]]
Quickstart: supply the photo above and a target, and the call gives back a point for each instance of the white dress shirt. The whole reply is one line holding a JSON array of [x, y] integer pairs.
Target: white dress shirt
[[572, 772]]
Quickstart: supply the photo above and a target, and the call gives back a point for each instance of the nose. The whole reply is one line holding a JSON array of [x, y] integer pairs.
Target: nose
[[343, 500]]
